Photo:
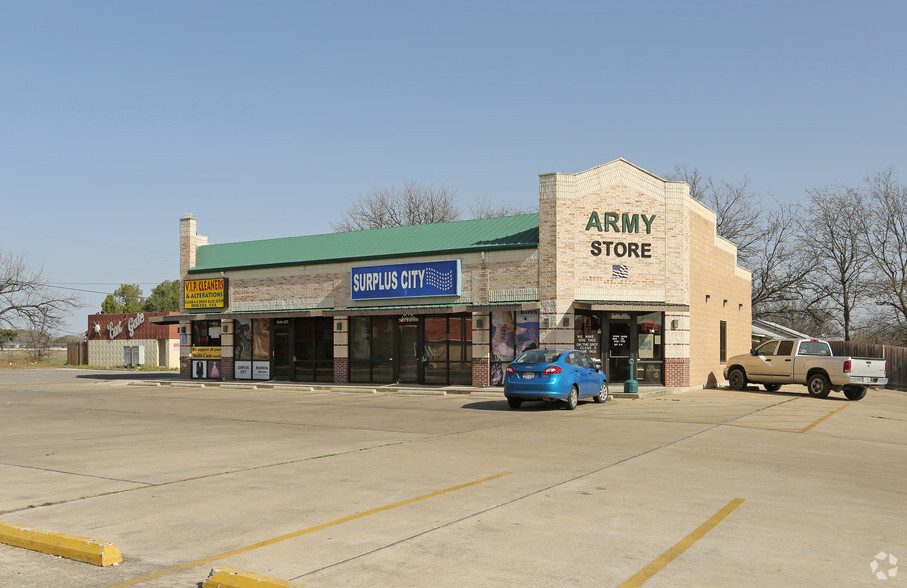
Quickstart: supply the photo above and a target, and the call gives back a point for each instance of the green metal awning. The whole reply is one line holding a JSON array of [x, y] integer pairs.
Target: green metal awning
[[491, 234]]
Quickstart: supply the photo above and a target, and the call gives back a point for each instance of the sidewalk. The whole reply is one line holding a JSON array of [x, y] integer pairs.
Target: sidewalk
[[403, 389]]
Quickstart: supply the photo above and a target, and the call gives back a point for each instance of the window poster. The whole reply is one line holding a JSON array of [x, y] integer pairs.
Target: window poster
[[261, 339], [261, 370], [646, 346], [242, 340], [527, 330], [242, 370], [511, 334], [206, 369], [502, 332]]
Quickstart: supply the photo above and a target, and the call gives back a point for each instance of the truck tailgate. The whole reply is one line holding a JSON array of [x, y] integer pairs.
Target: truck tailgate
[[867, 367]]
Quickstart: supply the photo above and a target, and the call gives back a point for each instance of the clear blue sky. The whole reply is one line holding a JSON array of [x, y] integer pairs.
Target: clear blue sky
[[266, 119]]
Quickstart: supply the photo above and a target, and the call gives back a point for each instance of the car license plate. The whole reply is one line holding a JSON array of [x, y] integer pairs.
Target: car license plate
[[868, 380], [528, 376]]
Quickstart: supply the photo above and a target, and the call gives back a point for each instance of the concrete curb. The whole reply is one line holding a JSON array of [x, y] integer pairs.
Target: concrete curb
[[69, 546], [224, 577], [419, 392], [143, 383], [238, 386], [355, 390]]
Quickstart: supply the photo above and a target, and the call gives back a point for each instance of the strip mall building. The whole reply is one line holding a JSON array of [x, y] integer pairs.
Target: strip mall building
[[618, 262]]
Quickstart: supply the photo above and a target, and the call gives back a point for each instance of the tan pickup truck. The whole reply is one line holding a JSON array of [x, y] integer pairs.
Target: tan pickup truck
[[809, 362]]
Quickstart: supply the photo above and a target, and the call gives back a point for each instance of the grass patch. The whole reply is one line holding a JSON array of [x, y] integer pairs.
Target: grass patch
[[20, 359]]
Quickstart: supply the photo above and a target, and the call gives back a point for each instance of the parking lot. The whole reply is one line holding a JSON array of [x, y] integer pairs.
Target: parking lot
[[328, 488]]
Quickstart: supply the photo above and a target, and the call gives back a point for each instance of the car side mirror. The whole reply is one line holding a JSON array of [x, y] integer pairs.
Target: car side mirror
[[753, 352]]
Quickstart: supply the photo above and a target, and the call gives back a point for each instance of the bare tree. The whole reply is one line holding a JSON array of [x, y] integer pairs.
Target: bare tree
[[484, 208], [833, 235], [781, 268], [414, 204], [27, 299], [37, 341], [738, 209], [884, 229]]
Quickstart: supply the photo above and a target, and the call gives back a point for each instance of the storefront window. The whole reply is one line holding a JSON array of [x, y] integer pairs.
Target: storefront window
[[313, 349], [649, 348], [242, 340], [206, 333], [587, 335], [511, 334], [430, 350], [448, 350], [242, 349], [360, 349]]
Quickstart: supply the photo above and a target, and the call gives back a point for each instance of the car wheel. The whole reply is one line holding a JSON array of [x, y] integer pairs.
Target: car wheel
[[818, 386], [772, 387], [514, 402], [855, 393], [573, 398], [736, 379], [602, 395]]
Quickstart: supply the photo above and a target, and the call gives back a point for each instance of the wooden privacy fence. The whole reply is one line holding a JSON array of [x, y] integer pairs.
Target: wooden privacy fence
[[896, 356], [77, 353]]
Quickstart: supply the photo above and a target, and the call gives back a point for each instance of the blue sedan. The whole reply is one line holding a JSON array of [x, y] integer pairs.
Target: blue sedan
[[548, 374]]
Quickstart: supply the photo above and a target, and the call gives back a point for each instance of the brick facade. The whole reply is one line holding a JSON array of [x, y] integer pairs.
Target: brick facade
[[613, 214], [341, 370]]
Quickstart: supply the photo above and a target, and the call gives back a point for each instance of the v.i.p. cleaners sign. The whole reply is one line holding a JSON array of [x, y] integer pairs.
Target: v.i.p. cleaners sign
[[406, 280]]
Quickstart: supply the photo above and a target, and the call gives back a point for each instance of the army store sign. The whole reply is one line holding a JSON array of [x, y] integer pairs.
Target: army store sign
[[613, 222], [210, 293]]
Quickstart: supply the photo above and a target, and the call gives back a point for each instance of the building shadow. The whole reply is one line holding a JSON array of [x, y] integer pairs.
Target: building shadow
[[128, 376]]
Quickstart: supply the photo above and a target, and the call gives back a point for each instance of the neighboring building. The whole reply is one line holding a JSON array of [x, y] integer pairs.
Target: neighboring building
[[764, 330], [618, 262], [110, 334]]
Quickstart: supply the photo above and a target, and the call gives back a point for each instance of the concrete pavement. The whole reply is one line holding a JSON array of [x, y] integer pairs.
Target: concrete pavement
[[330, 488]]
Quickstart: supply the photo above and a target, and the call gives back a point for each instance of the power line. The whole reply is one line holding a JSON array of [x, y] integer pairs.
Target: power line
[[57, 239]]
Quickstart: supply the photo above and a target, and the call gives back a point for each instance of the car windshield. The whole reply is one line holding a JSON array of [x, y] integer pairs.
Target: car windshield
[[539, 356]]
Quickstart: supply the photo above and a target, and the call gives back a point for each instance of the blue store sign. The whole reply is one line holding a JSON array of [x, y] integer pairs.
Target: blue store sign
[[406, 280]]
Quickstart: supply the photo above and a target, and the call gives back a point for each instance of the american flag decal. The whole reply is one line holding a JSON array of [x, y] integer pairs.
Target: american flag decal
[[619, 271]]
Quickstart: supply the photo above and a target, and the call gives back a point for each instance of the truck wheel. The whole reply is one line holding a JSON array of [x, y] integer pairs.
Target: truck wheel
[[772, 387], [736, 379], [818, 386], [855, 393]]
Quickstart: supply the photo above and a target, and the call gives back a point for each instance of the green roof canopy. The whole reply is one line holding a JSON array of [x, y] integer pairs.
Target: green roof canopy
[[491, 234]]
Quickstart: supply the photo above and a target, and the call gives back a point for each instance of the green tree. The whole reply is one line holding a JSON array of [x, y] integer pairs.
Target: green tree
[[125, 299], [164, 297], [7, 335]]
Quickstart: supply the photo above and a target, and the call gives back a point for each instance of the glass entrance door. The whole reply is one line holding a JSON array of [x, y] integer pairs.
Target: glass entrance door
[[282, 349], [407, 353], [618, 349]]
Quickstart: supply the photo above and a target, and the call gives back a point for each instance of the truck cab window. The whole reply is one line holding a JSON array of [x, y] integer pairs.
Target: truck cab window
[[767, 348], [785, 348]]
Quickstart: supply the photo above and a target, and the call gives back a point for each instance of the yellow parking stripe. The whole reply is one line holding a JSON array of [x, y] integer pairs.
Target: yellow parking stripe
[[813, 424], [670, 555], [232, 552]]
